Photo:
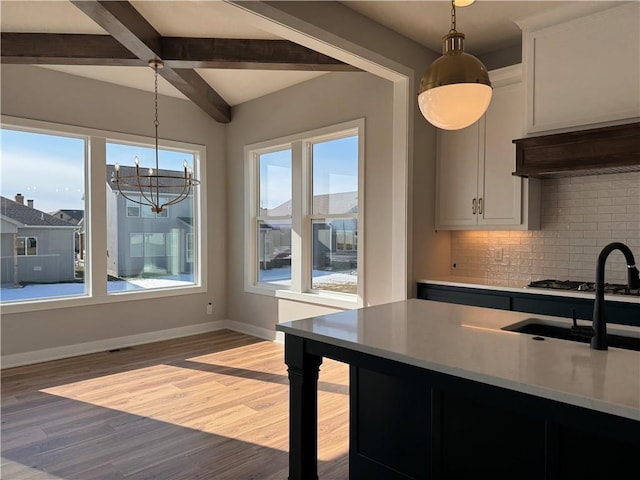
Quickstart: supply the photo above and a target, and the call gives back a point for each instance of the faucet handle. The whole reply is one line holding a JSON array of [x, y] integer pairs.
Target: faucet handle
[[633, 277], [584, 331]]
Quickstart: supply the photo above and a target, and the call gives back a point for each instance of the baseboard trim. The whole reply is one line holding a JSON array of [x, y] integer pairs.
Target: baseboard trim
[[57, 353], [252, 330], [48, 354]]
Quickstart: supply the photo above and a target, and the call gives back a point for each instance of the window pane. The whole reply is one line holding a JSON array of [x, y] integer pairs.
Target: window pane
[[334, 249], [154, 244], [42, 190], [135, 246], [146, 249], [21, 246], [274, 252], [335, 176], [275, 183]]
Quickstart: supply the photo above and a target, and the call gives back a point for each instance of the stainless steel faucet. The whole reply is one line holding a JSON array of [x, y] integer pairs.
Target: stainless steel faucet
[[599, 339]]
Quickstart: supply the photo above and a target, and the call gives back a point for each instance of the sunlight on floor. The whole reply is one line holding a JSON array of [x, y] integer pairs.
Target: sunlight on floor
[[229, 393]]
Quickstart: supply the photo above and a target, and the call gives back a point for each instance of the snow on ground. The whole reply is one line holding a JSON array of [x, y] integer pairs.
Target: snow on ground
[[281, 276]]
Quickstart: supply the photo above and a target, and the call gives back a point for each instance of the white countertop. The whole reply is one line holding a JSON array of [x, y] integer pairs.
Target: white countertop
[[487, 284], [467, 342]]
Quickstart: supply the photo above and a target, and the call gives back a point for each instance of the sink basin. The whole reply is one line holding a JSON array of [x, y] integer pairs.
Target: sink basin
[[544, 328]]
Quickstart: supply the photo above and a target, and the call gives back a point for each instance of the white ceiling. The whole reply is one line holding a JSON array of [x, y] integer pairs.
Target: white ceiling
[[487, 25]]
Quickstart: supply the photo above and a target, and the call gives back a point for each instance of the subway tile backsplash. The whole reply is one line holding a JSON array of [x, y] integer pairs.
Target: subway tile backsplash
[[580, 215]]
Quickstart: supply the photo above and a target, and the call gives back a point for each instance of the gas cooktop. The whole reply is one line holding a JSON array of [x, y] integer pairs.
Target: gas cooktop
[[609, 288]]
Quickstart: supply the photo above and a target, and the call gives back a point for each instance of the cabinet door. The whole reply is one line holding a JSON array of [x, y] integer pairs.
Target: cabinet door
[[499, 191], [457, 176], [584, 71]]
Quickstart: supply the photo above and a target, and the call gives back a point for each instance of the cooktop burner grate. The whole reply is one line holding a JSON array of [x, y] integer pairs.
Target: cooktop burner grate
[[611, 288]]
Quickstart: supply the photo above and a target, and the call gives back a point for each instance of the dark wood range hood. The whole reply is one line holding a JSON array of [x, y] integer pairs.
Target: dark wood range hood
[[585, 152]]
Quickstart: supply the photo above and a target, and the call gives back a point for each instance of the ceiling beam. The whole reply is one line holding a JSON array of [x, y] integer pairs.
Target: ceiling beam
[[65, 49], [124, 23], [176, 52], [181, 52]]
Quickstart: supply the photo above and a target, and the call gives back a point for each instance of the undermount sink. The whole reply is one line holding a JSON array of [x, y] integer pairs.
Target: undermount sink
[[543, 328]]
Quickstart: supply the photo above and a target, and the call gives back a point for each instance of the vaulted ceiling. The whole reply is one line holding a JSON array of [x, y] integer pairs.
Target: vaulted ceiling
[[214, 52], [133, 41]]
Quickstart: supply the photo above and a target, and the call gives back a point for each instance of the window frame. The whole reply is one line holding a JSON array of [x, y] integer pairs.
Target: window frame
[[95, 187], [302, 217], [26, 247]]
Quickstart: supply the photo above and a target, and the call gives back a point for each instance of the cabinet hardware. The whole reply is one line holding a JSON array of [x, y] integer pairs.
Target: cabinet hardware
[[480, 206], [473, 206]]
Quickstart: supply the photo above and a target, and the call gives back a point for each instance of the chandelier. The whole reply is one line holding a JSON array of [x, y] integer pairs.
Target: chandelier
[[455, 91], [155, 188]]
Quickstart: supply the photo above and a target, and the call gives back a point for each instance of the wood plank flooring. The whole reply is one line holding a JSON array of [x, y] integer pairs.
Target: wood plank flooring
[[212, 406]]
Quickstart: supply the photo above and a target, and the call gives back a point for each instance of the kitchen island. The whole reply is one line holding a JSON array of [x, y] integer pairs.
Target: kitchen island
[[440, 391]]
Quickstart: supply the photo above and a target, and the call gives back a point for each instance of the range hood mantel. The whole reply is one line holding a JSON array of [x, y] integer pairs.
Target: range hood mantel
[[585, 152]]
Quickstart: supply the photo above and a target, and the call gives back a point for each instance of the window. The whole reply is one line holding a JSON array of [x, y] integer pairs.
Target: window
[[306, 187], [27, 246], [41, 174], [273, 221], [145, 252], [155, 255], [334, 215]]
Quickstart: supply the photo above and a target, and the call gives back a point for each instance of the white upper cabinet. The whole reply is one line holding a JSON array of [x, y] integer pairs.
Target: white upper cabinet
[[475, 186], [582, 70]]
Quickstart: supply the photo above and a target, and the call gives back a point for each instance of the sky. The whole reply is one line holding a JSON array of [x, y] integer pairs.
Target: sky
[[335, 170], [50, 169]]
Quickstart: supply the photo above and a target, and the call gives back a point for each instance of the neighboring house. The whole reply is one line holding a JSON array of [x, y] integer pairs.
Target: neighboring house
[[335, 242], [140, 242], [75, 217], [35, 247], [72, 216]]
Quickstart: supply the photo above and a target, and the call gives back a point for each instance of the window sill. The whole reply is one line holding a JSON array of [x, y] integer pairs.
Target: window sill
[[346, 302], [83, 301], [326, 299]]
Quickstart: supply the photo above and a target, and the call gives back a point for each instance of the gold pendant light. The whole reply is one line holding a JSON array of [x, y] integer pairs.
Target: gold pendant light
[[455, 91]]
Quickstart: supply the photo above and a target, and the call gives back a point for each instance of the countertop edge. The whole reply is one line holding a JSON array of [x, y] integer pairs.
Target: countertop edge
[[470, 283]]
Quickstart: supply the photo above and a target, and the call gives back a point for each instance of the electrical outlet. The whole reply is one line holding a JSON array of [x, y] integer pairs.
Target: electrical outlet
[[497, 254], [209, 308]]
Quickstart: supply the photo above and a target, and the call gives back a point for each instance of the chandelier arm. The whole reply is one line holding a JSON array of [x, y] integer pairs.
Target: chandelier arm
[[149, 201], [186, 190], [127, 196]]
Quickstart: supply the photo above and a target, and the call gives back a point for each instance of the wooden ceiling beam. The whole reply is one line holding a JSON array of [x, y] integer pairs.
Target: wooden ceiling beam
[[65, 49], [124, 23], [181, 52], [176, 52]]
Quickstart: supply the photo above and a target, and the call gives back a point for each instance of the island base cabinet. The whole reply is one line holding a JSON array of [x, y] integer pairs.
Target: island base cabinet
[[410, 423]]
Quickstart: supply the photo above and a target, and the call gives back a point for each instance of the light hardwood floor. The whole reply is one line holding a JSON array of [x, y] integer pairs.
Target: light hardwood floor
[[211, 406]]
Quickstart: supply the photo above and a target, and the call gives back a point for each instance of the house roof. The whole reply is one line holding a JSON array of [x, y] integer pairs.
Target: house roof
[[28, 216], [76, 215], [343, 202]]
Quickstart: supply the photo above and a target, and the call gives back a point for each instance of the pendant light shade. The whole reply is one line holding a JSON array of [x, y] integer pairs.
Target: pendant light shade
[[455, 91]]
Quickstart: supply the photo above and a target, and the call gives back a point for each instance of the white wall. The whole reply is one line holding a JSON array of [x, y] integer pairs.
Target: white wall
[[41, 94], [338, 31], [326, 100]]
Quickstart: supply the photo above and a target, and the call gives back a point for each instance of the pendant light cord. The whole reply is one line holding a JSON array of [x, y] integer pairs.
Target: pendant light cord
[[453, 17]]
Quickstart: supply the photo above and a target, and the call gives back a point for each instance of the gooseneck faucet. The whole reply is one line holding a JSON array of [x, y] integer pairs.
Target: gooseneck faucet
[[599, 339]]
